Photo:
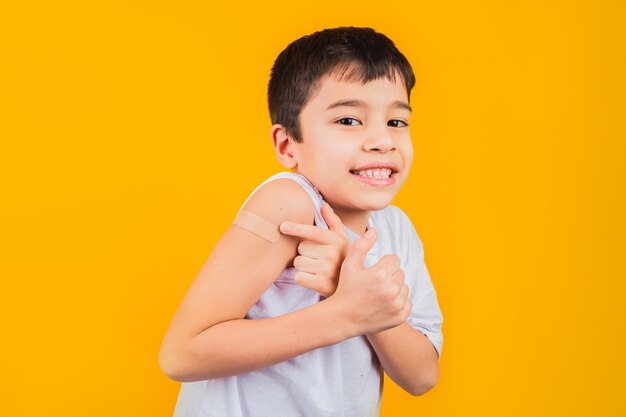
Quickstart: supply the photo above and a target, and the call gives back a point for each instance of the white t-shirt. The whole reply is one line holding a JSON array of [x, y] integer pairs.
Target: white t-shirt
[[341, 380]]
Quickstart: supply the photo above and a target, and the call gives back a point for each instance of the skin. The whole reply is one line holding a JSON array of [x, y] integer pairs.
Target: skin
[[320, 253], [406, 355], [209, 337], [371, 127]]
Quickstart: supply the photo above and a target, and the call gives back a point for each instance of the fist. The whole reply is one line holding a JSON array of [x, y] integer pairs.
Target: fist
[[373, 299]]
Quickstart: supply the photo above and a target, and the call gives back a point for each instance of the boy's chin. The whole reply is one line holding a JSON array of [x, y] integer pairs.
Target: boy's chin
[[375, 204]]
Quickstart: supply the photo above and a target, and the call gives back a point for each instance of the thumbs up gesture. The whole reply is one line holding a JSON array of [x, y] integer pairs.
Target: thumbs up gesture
[[371, 299], [320, 253]]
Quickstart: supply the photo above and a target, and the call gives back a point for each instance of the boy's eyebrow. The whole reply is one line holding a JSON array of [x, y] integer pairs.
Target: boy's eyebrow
[[401, 105], [360, 103]]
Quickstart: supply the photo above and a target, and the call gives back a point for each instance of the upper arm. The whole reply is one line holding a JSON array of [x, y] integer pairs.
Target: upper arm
[[243, 265]]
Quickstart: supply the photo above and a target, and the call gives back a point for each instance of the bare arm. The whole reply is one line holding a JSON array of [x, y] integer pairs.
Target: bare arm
[[209, 338], [408, 357], [240, 345], [405, 353]]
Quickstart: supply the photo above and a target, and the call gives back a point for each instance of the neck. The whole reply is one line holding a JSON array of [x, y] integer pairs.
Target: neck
[[353, 219]]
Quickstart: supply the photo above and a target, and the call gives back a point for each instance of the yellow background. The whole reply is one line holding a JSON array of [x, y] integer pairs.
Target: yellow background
[[131, 132]]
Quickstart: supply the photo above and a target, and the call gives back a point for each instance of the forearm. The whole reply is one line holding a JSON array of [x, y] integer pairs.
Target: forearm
[[238, 346], [408, 357]]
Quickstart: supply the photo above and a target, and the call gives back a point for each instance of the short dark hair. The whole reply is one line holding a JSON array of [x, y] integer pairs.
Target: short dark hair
[[356, 54]]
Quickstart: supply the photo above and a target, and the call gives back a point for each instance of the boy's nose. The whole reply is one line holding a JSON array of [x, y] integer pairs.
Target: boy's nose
[[379, 140]]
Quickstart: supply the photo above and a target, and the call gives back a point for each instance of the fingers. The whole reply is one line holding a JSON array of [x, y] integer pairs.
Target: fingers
[[307, 232], [315, 250], [315, 233], [390, 263], [408, 305], [312, 282], [406, 312], [360, 247], [311, 265], [311, 249], [332, 220]]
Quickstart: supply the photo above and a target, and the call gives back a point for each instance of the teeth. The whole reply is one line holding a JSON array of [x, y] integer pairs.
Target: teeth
[[375, 173]]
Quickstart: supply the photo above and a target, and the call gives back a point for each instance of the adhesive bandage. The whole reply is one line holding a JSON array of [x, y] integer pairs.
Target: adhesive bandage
[[258, 225]]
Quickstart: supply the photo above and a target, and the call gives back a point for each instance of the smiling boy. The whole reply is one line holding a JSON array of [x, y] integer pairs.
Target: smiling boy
[[304, 322]]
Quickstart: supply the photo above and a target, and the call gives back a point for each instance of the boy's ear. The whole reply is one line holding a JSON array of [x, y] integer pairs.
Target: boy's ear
[[283, 146]]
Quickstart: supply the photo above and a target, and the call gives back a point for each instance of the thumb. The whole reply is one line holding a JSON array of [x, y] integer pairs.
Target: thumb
[[332, 220], [360, 247]]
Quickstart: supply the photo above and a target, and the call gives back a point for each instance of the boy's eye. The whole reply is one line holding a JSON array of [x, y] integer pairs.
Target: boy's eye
[[348, 121], [397, 123]]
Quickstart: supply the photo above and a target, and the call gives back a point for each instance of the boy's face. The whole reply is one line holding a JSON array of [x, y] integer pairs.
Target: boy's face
[[356, 146]]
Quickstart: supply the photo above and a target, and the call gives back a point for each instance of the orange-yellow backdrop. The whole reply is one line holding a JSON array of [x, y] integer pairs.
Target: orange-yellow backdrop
[[132, 132]]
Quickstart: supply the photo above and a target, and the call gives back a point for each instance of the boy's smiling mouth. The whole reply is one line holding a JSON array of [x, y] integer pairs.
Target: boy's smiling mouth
[[377, 174]]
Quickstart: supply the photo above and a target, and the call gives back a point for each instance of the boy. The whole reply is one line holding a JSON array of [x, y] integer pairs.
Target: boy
[[300, 323]]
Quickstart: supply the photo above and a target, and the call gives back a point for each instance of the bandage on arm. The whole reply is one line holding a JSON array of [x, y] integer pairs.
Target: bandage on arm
[[258, 225]]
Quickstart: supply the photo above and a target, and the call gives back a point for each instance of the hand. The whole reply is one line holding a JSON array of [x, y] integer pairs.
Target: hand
[[321, 252], [373, 299]]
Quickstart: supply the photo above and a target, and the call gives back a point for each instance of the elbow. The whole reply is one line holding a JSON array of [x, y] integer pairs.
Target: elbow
[[172, 364], [424, 384], [422, 388], [181, 365], [168, 364]]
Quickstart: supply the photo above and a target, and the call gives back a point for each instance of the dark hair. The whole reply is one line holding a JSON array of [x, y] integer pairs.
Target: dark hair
[[355, 54]]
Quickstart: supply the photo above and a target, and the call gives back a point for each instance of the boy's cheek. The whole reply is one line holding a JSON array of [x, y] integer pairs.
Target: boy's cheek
[[408, 158]]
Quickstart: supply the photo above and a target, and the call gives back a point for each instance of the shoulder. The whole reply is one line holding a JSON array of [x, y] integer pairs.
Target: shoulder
[[280, 200], [393, 221]]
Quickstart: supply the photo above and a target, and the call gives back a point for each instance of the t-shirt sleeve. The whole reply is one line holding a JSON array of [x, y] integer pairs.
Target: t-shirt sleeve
[[426, 315]]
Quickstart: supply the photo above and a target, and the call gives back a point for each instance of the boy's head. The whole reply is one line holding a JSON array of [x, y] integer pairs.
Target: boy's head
[[353, 54], [339, 102]]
